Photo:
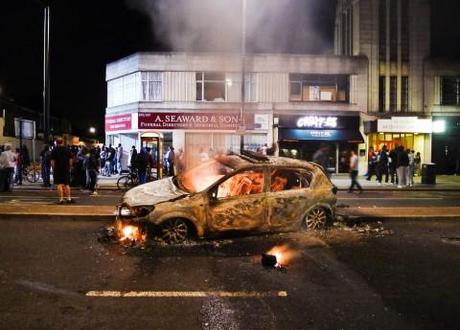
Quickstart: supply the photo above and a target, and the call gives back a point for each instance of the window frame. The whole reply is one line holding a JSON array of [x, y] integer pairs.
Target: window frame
[[201, 92], [300, 172]]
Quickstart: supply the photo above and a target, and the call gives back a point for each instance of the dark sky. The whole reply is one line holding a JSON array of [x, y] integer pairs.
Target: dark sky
[[86, 35]]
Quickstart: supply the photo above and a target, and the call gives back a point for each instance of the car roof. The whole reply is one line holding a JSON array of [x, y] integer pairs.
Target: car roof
[[248, 159]]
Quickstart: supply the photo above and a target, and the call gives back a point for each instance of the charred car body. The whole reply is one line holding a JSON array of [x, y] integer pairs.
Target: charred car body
[[238, 193]]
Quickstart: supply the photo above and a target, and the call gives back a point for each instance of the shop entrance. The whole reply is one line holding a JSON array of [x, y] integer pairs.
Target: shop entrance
[[153, 142]]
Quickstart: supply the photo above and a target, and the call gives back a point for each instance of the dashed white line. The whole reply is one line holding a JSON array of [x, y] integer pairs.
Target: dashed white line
[[185, 294]]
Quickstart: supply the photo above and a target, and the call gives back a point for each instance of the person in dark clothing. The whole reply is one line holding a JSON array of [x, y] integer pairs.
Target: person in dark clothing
[[45, 159], [141, 163], [372, 164], [61, 162], [19, 167], [402, 162], [93, 164], [133, 155], [382, 165], [392, 159], [321, 157]]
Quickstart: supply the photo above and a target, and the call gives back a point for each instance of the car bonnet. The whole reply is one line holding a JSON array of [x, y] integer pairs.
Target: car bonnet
[[152, 193]]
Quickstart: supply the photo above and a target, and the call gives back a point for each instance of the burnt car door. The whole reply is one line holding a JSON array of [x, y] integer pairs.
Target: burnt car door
[[288, 197], [239, 202]]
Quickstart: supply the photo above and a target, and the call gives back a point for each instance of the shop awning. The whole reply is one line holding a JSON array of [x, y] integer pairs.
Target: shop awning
[[321, 135]]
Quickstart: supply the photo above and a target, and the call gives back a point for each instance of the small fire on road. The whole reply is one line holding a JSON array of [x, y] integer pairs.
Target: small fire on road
[[131, 234], [280, 256]]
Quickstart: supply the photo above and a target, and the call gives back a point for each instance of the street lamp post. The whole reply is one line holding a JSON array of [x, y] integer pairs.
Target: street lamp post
[[46, 74], [242, 127]]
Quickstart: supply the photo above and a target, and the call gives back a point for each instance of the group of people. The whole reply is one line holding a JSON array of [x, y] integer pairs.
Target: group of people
[[398, 165], [111, 159], [12, 165]]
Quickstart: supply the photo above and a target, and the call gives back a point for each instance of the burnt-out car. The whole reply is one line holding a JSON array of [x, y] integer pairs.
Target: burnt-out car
[[231, 193]]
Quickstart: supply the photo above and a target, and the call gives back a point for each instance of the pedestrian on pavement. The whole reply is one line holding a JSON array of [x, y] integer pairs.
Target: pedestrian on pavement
[[321, 157], [141, 164], [93, 164], [19, 168], [132, 157], [354, 172], [417, 163], [119, 158], [372, 164], [171, 159], [45, 160], [61, 163], [382, 165], [392, 160], [8, 162], [411, 168], [402, 162], [180, 161]]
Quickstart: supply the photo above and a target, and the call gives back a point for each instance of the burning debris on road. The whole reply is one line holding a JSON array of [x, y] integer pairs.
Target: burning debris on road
[[279, 257]]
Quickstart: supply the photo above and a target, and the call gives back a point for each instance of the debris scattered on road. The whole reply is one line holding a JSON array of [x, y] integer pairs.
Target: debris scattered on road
[[451, 240]]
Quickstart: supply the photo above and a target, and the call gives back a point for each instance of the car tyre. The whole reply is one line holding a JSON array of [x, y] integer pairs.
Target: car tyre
[[316, 218], [174, 231]]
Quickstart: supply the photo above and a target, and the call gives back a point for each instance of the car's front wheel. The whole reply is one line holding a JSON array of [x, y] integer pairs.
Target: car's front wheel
[[174, 231], [316, 218]]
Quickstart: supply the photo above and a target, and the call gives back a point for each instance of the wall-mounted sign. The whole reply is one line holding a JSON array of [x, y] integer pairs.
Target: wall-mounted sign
[[404, 125], [317, 122], [184, 120], [118, 123], [24, 127]]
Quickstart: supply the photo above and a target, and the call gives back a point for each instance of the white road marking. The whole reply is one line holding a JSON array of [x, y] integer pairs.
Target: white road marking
[[185, 294], [391, 198]]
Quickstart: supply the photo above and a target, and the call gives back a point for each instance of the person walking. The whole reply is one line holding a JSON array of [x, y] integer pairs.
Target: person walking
[[354, 172], [411, 168], [402, 162], [93, 164], [372, 164], [61, 163], [45, 160]]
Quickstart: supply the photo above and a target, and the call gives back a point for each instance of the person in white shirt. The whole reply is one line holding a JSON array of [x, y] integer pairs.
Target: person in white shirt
[[354, 172], [7, 163]]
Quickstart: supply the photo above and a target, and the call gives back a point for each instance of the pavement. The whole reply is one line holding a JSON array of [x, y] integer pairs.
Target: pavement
[[377, 203]]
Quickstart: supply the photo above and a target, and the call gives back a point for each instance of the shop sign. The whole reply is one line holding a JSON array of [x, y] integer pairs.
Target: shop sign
[[317, 122], [404, 125], [213, 121], [118, 123]]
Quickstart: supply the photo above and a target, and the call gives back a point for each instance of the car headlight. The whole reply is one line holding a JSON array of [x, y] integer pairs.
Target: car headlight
[[139, 211]]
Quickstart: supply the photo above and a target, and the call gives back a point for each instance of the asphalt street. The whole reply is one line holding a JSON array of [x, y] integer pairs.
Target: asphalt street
[[58, 275]]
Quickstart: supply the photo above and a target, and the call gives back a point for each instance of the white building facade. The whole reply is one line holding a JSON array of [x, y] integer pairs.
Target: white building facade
[[193, 101]]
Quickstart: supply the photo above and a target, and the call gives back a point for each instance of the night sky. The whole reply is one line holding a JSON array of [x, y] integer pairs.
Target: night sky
[[86, 35]]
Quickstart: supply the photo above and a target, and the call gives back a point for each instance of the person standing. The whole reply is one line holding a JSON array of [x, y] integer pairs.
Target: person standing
[[171, 159], [411, 168], [392, 159], [93, 164], [354, 172], [132, 157], [141, 165], [61, 163], [119, 158], [8, 163], [382, 165], [321, 157], [19, 167], [45, 159], [417, 163], [402, 162], [372, 164]]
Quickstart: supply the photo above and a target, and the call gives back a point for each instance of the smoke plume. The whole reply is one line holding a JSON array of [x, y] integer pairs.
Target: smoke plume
[[292, 26]]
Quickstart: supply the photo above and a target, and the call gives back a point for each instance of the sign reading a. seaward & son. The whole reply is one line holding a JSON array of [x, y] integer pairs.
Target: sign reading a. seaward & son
[[184, 120]]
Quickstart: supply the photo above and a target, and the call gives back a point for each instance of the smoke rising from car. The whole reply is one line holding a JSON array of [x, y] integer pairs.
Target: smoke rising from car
[[273, 26]]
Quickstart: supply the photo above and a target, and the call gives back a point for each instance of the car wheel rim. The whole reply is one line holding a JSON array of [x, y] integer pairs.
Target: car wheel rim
[[316, 218], [174, 231]]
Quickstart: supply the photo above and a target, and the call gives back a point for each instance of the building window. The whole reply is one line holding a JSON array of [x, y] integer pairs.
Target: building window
[[152, 86], [382, 30], [211, 86], [319, 88], [250, 87], [123, 90], [394, 94], [404, 94], [382, 92], [450, 90]]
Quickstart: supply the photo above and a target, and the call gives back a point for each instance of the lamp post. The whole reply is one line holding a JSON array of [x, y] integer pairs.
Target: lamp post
[[242, 127], [46, 70]]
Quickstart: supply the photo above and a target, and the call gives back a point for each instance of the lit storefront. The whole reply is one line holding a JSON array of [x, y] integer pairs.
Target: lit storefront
[[193, 132], [446, 144], [301, 136], [411, 132]]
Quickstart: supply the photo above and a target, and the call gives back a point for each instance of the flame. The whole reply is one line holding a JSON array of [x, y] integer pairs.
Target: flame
[[284, 254], [131, 233], [202, 176]]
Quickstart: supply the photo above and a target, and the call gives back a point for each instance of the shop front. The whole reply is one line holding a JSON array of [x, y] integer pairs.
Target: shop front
[[410, 132], [302, 136], [197, 134], [446, 144]]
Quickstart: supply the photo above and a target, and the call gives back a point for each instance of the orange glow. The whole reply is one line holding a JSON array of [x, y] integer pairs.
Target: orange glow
[[284, 254], [131, 233]]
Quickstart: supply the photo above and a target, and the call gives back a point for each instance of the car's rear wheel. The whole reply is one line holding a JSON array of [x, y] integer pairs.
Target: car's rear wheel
[[174, 231], [316, 218]]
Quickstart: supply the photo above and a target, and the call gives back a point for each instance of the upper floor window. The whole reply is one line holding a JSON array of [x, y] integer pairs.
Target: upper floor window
[[319, 88], [211, 86], [152, 86], [250, 87], [450, 90]]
